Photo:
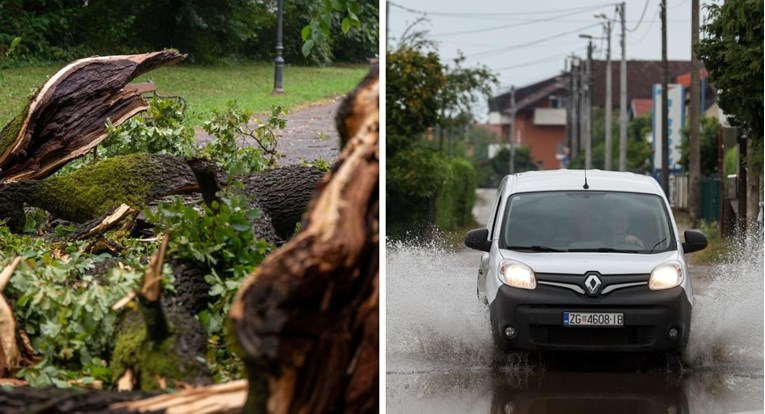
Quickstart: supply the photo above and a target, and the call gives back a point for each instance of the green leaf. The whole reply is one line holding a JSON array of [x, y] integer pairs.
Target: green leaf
[[354, 7], [14, 43], [307, 46], [306, 32], [346, 25], [337, 5]]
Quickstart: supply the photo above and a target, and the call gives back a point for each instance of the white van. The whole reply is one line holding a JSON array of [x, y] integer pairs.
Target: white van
[[584, 262]]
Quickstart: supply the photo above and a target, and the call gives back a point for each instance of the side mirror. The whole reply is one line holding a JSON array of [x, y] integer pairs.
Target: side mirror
[[478, 239], [694, 241]]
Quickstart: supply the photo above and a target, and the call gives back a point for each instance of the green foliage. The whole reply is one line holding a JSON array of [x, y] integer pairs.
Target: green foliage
[[732, 52], [639, 151], [730, 161], [500, 164], [219, 236], [64, 296], [454, 206], [426, 188], [230, 128], [414, 79], [321, 164], [351, 16], [161, 130], [209, 31], [707, 146]]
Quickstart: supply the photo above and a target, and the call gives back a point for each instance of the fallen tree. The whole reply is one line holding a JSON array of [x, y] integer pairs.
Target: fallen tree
[[306, 321], [67, 116]]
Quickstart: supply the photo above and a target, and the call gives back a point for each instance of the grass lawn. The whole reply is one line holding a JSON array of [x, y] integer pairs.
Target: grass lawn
[[207, 87]]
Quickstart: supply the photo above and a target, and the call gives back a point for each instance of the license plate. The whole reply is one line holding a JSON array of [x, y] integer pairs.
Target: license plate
[[592, 319]]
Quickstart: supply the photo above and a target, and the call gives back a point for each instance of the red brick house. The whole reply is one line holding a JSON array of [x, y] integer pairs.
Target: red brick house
[[541, 107]]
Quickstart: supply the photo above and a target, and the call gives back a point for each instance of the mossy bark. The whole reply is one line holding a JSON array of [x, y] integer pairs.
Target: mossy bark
[[177, 358], [93, 190], [67, 116]]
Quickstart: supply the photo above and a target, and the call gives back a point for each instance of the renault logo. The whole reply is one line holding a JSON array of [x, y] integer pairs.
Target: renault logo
[[593, 284]]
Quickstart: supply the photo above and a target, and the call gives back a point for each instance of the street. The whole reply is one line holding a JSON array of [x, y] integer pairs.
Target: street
[[440, 356]]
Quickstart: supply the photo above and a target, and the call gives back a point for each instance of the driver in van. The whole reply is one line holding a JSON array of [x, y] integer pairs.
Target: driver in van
[[618, 223]]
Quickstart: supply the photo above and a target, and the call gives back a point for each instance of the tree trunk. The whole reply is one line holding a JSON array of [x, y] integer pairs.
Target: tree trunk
[[66, 118], [283, 194], [307, 319], [92, 191]]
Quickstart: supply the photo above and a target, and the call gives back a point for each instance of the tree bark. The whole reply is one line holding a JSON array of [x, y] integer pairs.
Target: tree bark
[[307, 319], [283, 194], [66, 118]]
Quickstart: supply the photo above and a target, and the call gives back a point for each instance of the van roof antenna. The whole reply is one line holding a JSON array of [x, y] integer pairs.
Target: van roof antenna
[[585, 186]]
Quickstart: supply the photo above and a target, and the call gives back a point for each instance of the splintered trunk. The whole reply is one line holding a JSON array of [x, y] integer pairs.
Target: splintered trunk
[[307, 319], [67, 116]]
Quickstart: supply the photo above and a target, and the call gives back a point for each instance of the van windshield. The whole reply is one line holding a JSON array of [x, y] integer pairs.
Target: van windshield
[[586, 221]]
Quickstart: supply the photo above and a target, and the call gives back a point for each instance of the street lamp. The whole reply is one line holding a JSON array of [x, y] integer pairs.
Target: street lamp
[[279, 60]]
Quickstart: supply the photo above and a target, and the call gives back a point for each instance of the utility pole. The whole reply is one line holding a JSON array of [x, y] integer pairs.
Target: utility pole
[[574, 105], [512, 130], [623, 95], [694, 158], [609, 105], [664, 99], [588, 110], [387, 24]]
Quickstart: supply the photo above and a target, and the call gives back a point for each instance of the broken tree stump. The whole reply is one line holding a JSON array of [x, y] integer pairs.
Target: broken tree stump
[[66, 118], [307, 319], [157, 347]]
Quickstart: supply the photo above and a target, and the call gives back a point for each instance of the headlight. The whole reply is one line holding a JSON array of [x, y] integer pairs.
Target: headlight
[[666, 276], [517, 274]]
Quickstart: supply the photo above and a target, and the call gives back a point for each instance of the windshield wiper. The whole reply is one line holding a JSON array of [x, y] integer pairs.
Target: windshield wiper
[[657, 245], [604, 250], [535, 248]]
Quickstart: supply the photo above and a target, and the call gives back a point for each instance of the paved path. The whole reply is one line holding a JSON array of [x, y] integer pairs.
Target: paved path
[[310, 134]]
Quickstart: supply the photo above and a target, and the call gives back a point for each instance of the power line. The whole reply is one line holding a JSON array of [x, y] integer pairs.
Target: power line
[[462, 14], [649, 28], [531, 63], [507, 26], [641, 17], [532, 43]]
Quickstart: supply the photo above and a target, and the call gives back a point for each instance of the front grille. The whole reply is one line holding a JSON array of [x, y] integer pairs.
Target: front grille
[[558, 335]]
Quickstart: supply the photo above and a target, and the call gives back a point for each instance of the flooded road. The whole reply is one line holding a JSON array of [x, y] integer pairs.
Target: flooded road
[[440, 357]]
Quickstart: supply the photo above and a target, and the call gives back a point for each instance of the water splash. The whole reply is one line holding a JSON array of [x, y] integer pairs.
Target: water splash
[[433, 314], [727, 326]]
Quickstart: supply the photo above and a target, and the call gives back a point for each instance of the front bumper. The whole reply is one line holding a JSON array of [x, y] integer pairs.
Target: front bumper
[[537, 316]]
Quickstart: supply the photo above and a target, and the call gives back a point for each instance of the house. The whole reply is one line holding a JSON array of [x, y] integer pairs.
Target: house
[[540, 118], [541, 107]]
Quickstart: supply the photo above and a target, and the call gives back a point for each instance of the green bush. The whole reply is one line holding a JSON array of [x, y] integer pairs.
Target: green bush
[[161, 130], [230, 129], [454, 206]]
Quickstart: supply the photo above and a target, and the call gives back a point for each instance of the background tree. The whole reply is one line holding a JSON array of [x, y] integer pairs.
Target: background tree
[[707, 145], [207, 30], [732, 52], [425, 185], [639, 151]]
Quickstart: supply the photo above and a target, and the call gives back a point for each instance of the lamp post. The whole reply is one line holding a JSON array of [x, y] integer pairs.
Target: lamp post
[[279, 60]]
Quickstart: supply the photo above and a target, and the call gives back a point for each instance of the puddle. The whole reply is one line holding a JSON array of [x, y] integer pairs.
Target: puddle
[[440, 356]]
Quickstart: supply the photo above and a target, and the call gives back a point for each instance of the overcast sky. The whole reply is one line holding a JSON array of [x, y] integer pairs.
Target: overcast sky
[[551, 27]]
